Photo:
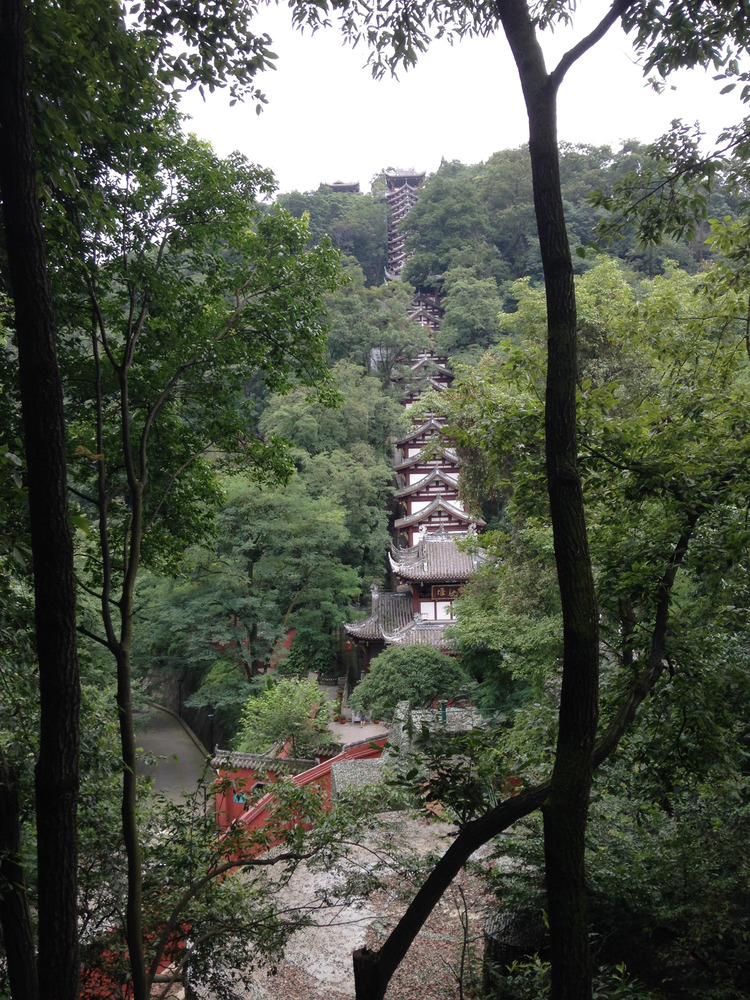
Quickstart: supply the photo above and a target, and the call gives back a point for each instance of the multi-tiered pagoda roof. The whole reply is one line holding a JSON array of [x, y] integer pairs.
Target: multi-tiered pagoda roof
[[438, 483], [439, 514], [415, 467], [433, 565], [437, 557], [426, 310]]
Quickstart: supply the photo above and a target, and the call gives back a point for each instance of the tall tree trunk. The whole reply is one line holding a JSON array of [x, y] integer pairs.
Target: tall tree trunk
[[136, 483], [117, 618], [131, 839], [564, 799], [51, 539], [134, 909], [565, 809]]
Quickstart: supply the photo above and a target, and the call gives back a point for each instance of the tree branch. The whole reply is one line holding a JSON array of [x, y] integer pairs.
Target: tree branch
[[171, 483], [655, 663], [373, 970], [613, 15], [190, 893]]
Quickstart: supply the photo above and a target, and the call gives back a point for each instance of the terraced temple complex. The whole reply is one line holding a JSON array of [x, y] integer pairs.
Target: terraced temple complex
[[427, 566]]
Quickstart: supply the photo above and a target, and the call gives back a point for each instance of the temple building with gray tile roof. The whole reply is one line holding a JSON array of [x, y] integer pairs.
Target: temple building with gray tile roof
[[389, 613], [428, 560], [438, 557]]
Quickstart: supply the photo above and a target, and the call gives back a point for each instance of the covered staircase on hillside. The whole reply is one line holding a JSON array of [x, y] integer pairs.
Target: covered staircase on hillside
[[402, 192], [427, 561]]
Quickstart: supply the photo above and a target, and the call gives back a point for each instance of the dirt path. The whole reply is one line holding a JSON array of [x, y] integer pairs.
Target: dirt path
[[317, 963]]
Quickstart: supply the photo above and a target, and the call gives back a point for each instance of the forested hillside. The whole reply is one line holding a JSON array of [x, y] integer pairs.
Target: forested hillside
[[196, 422], [289, 557], [473, 233], [663, 412], [663, 387]]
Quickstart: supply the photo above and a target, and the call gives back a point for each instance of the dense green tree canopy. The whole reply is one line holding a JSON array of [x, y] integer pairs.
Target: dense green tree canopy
[[146, 243], [356, 223], [164, 274], [371, 326], [367, 416], [283, 557], [481, 216], [288, 710], [448, 217], [204, 297], [277, 564], [471, 322], [344, 456], [663, 446], [417, 674], [663, 396]]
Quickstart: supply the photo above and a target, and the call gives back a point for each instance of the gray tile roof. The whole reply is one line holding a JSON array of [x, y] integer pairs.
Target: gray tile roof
[[447, 456], [420, 385], [432, 365], [440, 359], [389, 613], [421, 633], [230, 759], [435, 557], [439, 503], [437, 475], [433, 425], [355, 774]]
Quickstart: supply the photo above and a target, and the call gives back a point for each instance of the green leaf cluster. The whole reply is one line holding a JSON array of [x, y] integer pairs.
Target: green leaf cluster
[[283, 559], [288, 710], [274, 566], [663, 449], [417, 674], [355, 223], [371, 326]]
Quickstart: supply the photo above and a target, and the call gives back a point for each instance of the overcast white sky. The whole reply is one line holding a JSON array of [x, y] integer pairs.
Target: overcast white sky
[[328, 120]]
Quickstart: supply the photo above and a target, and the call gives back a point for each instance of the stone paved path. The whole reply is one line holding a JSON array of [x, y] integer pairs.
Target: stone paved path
[[180, 759], [353, 732]]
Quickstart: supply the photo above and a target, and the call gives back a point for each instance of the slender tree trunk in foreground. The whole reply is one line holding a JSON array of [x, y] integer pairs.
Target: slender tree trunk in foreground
[[137, 479], [117, 618], [565, 809], [51, 540], [566, 797]]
